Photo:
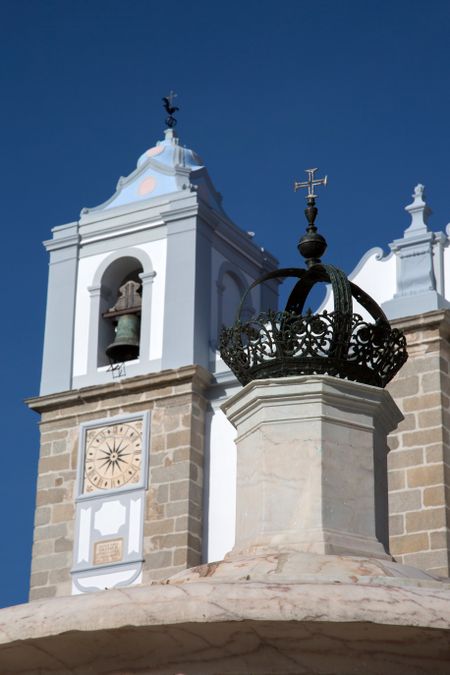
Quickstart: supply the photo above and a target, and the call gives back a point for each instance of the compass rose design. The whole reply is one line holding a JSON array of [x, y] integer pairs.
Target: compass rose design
[[113, 456]]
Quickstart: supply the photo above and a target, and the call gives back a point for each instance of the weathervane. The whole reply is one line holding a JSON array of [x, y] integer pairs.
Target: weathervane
[[170, 109], [310, 183]]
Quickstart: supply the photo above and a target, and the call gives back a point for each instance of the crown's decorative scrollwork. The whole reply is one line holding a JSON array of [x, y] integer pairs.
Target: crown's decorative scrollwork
[[278, 344], [294, 342]]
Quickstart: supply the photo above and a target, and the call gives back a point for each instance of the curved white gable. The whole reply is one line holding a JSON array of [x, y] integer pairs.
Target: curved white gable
[[163, 169], [375, 274], [415, 277]]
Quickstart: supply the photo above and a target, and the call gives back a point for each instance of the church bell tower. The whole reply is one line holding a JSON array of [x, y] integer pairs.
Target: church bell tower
[[139, 288]]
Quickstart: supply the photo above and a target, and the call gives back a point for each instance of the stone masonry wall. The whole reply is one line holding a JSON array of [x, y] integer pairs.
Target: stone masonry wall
[[173, 521], [419, 461]]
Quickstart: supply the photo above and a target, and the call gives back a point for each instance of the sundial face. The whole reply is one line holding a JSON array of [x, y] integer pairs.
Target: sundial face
[[113, 456]]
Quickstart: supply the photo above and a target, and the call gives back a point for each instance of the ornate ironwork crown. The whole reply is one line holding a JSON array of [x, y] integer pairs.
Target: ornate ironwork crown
[[339, 343]]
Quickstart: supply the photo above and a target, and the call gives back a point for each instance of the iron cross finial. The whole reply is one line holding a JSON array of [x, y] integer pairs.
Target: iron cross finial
[[170, 108], [310, 183]]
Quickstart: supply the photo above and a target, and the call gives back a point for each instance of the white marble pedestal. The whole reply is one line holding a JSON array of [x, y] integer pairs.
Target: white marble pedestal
[[311, 472]]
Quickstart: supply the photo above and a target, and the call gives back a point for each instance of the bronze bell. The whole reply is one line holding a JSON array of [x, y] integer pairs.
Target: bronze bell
[[126, 342], [126, 312]]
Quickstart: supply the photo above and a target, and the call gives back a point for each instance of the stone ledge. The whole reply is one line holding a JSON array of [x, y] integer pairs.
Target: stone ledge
[[200, 378], [428, 321], [198, 626]]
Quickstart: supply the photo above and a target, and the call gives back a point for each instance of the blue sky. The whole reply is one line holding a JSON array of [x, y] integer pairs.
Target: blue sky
[[267, 89]]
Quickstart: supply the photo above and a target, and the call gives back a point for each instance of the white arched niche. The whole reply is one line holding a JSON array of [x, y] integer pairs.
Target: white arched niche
[[114, 271]]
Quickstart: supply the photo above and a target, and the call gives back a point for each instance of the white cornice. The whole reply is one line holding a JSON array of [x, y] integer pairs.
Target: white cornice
[[62, 242], [118, 231]]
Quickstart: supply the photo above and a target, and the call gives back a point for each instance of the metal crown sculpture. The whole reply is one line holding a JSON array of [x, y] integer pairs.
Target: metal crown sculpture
[[338, 343]]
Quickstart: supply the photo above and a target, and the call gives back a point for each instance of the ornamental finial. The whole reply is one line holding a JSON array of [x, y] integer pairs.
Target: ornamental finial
[[419, 212], [312, 245], [170, 108]]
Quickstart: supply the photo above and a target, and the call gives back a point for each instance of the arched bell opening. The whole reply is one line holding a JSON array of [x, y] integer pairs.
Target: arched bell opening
[[120, 312], [231, 286]]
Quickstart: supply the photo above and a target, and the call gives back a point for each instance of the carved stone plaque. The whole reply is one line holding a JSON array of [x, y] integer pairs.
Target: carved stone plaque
[[106, 552]]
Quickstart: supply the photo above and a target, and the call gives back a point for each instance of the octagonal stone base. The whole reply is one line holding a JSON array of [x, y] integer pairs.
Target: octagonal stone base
[[311, 465]]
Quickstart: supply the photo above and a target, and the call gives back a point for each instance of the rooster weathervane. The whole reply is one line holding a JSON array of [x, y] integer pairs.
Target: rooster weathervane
[[170, 109]]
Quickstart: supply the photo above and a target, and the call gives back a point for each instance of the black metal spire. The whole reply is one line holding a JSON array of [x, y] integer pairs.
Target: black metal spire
[[312, 245]]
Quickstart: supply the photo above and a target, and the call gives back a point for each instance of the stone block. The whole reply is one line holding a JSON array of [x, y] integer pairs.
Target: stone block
[[404, 500], [182, 523], [158, 443], [46, 449], [162, 493], [176, 439], [54, 463], [431, 381], [158, 559], [182, 454], [197, 441], [440, 539], [42, 516], [50, 531], [434, 496], [396, 480], [175, 472], [434, 453], [178, 508], [194, 542], [63, 544], [57, 561], [179, 491], [51, 496], [172, 423], [431, 474], [185, 557], [422, 437], [400, 459], [39, 579], [163, 526], [59, 576], [396, 524], [427, 560], [419, 364], [43, 548], [155, 510], [46, 481], [393, 441], [407, 386], [427, 519], [408, 423], [174, 540], [49, 436], [430, 418], [409, 543], [45, 592], [422, 402], [63, 512]]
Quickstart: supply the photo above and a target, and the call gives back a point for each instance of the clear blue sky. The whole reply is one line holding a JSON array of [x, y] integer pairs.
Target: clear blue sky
[[267, 89]]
